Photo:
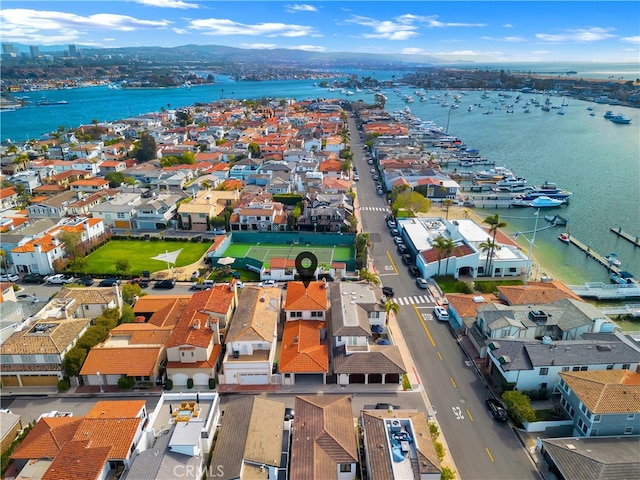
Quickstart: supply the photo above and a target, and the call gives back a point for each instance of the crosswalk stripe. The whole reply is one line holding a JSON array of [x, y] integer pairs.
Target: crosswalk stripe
[[414, 300]]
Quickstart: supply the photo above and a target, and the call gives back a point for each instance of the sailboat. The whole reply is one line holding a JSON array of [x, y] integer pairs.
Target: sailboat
[[565, 103], [566, 236]]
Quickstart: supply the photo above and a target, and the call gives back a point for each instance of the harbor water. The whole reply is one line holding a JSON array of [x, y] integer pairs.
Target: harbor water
[[596, 159]]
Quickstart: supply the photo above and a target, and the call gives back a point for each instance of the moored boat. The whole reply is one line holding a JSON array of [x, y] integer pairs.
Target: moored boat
[[511, 184], [546, 202], [564, 237], [608, 114], [620, 118], [612, 258], [548, 189]]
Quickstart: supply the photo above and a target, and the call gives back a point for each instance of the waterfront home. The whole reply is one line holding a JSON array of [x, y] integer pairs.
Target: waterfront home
[[602, 403], [33, 356], [250, 440], [325, 445], [535, 365], [251, 339]]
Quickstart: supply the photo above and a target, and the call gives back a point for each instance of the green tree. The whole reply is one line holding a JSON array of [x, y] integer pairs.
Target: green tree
[[254, 150], [115, 179], [3, 259], [439, 244], [78, 265], [129, 291], [73, 361], [72, 243], [390, 307], [494, 225], [122, 265], [447, 203], [448, 246], [128, 316], [369, 277], [147, 148], [519, 406], [485, 247], [412, 202]]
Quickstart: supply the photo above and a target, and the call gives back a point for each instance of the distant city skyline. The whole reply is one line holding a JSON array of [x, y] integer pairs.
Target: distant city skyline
[[458, 31]]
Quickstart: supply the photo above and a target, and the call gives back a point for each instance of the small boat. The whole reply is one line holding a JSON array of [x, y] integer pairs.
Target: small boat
[[612, 258], [548, 189], [511, 184], [546, 202], [620, 118], [622, 278], [608, 114], [564, 237], [590, 109]]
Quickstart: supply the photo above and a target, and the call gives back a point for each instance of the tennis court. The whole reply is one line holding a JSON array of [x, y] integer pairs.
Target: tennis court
[[265, 252]]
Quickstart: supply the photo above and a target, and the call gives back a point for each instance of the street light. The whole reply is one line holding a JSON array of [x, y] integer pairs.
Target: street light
[[531, 243]]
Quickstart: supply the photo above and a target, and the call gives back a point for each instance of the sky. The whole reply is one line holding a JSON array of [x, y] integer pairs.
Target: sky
[[477, 31]]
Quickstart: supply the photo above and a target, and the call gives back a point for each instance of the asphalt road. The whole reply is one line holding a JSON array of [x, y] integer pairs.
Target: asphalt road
[[481, 447]]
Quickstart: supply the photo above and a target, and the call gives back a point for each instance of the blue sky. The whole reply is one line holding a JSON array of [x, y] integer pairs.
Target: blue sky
[[480, 31]]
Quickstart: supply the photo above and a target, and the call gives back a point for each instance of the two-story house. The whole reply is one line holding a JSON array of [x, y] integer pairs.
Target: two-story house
[[52, 207], [193, 350], [196, 214], [602, 402], [89, 185], [324, 443], [155, 213], [37, 255], [305, 347], [260, 216], [324, 219], [362, 345], [252, 338]]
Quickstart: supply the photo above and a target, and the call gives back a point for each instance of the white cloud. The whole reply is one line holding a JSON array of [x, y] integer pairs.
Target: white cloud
[[300, 8], [511, 39], [541, 52], [414, 51], [215, 26], [51, 27], [507, 25], [168, 4], [308, 48], [635, 39], [259, 46], [592, 34], [180, 31]]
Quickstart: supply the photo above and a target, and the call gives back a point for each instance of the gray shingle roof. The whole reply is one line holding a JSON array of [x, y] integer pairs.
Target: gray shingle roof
[[384, 359]]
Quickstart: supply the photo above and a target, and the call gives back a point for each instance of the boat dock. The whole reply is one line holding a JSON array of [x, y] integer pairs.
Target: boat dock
[[595, 255], [627, 236], [603, 291], [632, 309]]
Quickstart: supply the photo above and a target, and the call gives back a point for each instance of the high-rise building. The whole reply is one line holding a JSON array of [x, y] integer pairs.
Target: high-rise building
[[8, 49], [73, 51], [34, 50]]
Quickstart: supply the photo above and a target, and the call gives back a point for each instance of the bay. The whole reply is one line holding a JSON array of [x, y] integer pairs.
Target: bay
[[596, 159]]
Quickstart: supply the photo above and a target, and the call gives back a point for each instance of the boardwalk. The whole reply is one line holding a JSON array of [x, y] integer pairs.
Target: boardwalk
[[603, 291], [595, 255], [627, 236]]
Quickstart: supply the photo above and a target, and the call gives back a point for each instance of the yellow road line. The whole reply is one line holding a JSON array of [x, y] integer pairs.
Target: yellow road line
[[424, 325], [490, 456], [439, 356], [453, 382], [392, 262], [469, 413]]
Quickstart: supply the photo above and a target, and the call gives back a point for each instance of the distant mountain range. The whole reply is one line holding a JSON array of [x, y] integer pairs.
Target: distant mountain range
[[219, 53]]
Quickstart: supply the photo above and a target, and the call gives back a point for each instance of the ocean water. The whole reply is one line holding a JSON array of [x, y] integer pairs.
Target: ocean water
[[594, 158]]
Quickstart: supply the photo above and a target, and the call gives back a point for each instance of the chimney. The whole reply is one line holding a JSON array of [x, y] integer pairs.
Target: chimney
[[196, 325]]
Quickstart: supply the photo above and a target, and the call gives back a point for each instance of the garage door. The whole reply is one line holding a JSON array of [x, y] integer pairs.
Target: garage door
[[254, 379], [201, 379], [9, 381], [179, 379], [39, 380]]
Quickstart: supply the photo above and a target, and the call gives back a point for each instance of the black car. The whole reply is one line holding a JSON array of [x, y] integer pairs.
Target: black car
[[497, 410], [109, 282], [387, 406], [85, 281], [388, 291], [33, 278], [413, 270], [406, 259], [402, 249], [166, 284]]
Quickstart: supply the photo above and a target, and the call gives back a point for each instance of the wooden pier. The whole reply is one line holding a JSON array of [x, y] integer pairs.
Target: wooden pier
[[595, 255], [627, 236]]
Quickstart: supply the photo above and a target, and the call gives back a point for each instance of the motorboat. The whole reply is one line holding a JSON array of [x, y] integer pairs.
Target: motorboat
[[608, 114], [622, 278], [496, 173], [511, 184], [548, 189], [620, 118], [612, 258], [564, 237], [546, 202]]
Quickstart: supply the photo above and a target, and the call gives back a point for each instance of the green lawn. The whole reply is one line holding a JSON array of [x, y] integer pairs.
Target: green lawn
[[139, 254]]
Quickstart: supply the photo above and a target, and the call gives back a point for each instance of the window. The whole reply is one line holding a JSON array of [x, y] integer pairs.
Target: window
[[576, 369], [544, 371], [51, 358], [628, 430], [580, 424], [345, 467], [353, 340], [631, 416], [565, 369], [28, 358], [6, 359], [594, 432], [609, 367], [625, 366], [597, 418], [543, 385], [584, 369]]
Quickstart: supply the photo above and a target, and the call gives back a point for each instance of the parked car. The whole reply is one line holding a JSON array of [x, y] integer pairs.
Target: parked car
[[406, 259], [388, 291], [422, 283], [380, 191], [165, 284], [497, 410], [387, 406], [33, 278], [402, 249], [394, 232], [356, 178], [143, 282], [468, 204], [441, 314], [376, 177], [370, 161], [268, 283], [397, 240], [59, 279], [206, 285], [218, 231], [289, 413], [391, 224], [373, 170], [85, 281], [413, 270], [109, 282], [9, 277]]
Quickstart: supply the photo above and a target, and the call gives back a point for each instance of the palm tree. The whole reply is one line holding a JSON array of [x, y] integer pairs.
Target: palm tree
[[390, 306], [369, 277], [440, 244], [448, 246], [495, 224], [447, 203], [487, 246]]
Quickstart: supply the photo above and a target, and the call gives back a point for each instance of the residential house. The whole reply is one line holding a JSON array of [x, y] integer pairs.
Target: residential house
[[32, 228], [535, 365], [243, 168], [33, 356], [305, 348], [333, 168], [193, 350], [10, 425], [37, 255], [106, 440], [249, 443], [13, 314], [384, 430], [52, 207], [362, 345], [8, 198], [120, 211], [90, 302], [561, 320], [90, 185], [259, 216], [324, 219], [161, 310], [325, 446], [207, 204], [602, 458], [156, 213], [252, 338], [112, 166], [602, 403], [29, 179]]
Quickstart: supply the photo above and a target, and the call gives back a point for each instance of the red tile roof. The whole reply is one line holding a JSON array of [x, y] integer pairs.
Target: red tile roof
[[131, 361], [302, 350], [118, 409], [210, 362], [299, 298], [78, 460]]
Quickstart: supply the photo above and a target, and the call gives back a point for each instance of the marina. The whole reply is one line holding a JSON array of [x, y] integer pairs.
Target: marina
[[627, 236]]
